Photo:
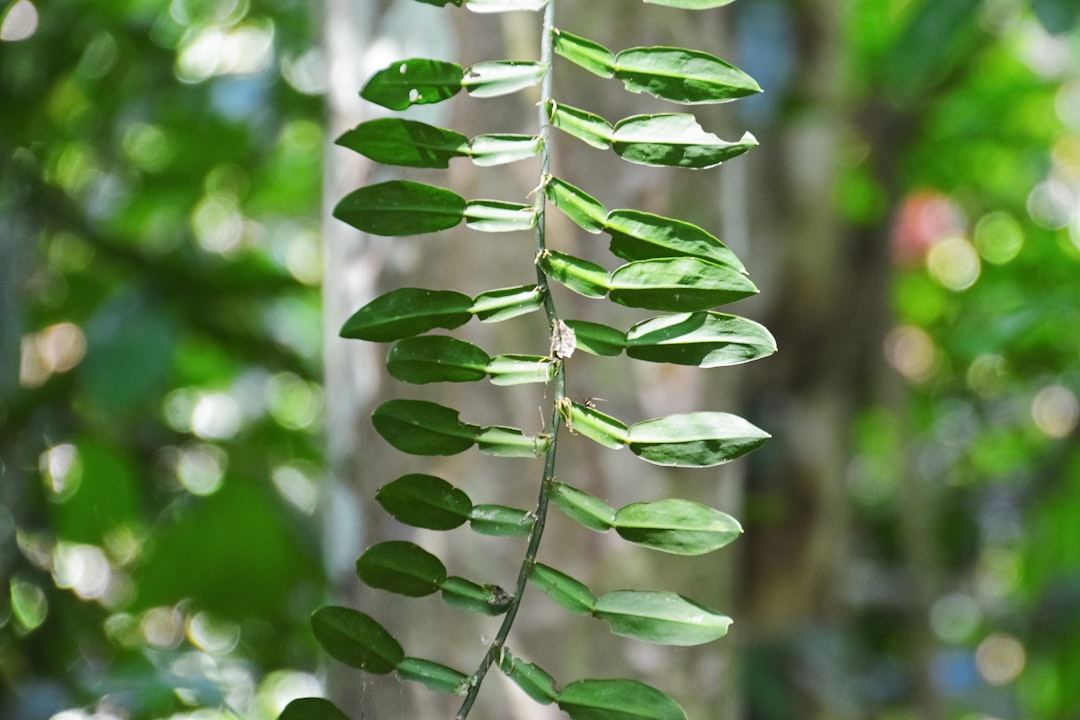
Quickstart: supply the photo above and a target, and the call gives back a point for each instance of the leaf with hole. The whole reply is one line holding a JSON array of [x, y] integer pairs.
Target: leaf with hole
[[502, 77], [501, 521], [434, 676], [617, 700], [473, 597], [311, 708], [425, 501], [680, 527], [406, 143], [405, 312], [703, 339], [571, 594], [436, 358], [673, 140], [355, 639], [698, 439], [416, 81], [401, 207], [637, 235], [419, 427], [587, 510], [663, 618], [401, 567], [677, 284]]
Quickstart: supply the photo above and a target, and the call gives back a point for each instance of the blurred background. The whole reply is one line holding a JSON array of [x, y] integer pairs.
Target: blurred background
[[186, 466]]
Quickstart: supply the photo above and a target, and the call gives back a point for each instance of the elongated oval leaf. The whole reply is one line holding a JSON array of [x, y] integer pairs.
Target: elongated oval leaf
[[617, 700], [536, 682], [699, 439], [500, 6], [498, 216], [442, 3], [510, 442], [425, 501], [595, 425], [467, 595], [406, 312], [401, 567], [520, 369], [311, 708], [436, 358], [691, 4], [571, 594], [588, 510], [704, 339], [434, 676], [583, 277], [500, 521], [417, 81], [678, 284], [660, 617], [407, 143], [681, 75], [506, 303], [355, 639], [680, 527], [585, 126], [673, 140], [419, 427], [585, 53], [597, 339], [502, 77], [401, 207], [489, 150], [576, 204], [639, 235]]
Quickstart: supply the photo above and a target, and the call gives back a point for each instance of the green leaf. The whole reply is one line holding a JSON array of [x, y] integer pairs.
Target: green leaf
[[595, 425], [417, 81], [699, 439], [436, 358], [680, 527], [500, 521], [419, 427], [673, 140], [660, 617], [585, 126], [401, 207], [355, 639], [433, 675], [401, 567], [510, 442], [583, 277], [597, 339], [467, 595], [639, 235], [497, 216], [691, 4], [571, 594], [585, 53], [502, 77], [489, 150], [405, 312], [704, 339], [311, 708], [499, 6], [576, 204], [442, 3], [617, 700], [506, 303], [425, 501], [520, 369], [536, 683], [588, 510], [406, 143], [677, 284], [682, 76]]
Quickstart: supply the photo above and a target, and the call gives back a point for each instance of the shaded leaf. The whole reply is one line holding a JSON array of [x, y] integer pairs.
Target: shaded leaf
[[585, 53], [498, 6], [660, 617], [583, 277], [510, 442], [681, 75], [593, 424], [406, 312], [677, 284], [500, 521], [598, 339], [699, 439], [425, 501], [434, 676], [311, 708], [617, 700], [498, 216], [436, 358], [536, 683], [576, 204], [571, 594], [419, 427], [401, 207], [355, 639], [417, 81], [520, 369], [704, 339], [441, 3], [506, 303], [637, 235], [691, 4], [407, 143], [681, 527], [502, 77], [467, 595], [489, 150], [586, 509], [585, 126], [673, 140], [401, 567]]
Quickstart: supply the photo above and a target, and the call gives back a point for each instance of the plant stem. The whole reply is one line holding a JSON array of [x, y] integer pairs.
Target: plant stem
[[495, 650]]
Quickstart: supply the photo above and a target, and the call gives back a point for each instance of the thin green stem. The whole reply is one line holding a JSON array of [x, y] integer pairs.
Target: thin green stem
[[495, 650]]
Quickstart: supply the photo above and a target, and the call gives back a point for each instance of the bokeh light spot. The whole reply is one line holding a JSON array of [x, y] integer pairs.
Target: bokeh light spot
[[1000, 659], [82, 568], [214, 635], [293, 402], [998, 238], [1055, 411], [987, 375], [20, 22], [297, 486], [62, 471], [955, 617], [1051, 204], [201, 468], [163, 627], [28, 604], [912, 353], [954, 263], [216, 416]]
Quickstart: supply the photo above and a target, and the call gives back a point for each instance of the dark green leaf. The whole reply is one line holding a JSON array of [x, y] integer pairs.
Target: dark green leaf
[[585, 126], [585, 53], [595, 425], [510, 442], [583, 277], [433, 675], [311, 708], [677, 284], [467, 595], [401, 567], [436, 358], [681, 75], [408, 143], [681, 527], [699, 439], [406, 312], [502, 77], [425, 501], [520, 369], [597, 339], [419, 427], [501, 521], [506, 303], [356, 640], [660, 617], [563, 589], [401, 207], [586, 509], [498, 216], [639, 235], [673, 140], [576, 204], [617, 700], [704, 339], [417, 81], [536, 683]]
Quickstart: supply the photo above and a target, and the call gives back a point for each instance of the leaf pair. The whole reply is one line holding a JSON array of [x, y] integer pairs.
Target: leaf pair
[[419, 427]]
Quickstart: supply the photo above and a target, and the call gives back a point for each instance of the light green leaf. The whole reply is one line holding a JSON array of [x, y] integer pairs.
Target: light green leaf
[[311, 708], [660, 617], [536, 683], [588, 510], [597, 339], [406, 312], [419, 427], [617, 700], [583, 277], [520, 369], [639, 235], [682, 76], [704, 339], [467, 595], [497, 216], [680, 527], [595, 425], [506, 303], [502, 77], [436, 358], [433, 675], [499, 6], [401, 207], [355, 639], [417, 81], [510, 442], [576, 204], [408, 143], [500, 521], [585, 126], [489, 150], [673, 140], [676, 284], [691, 4], [401, 567], [425, 501], [563, 589], [584, 53], [699, 439]]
